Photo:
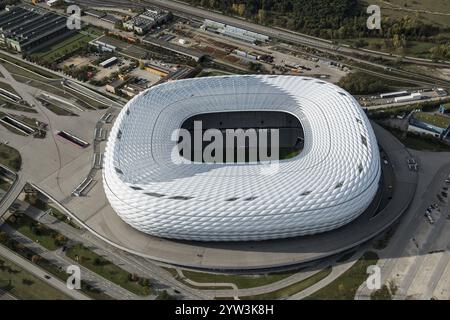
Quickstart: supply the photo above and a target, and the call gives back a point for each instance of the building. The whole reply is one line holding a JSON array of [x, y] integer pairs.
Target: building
[[102, 46], [109, 62], [150, 18], [188, 52], [412, 97], [132, 89], [234, 32], [52, 3], [26, 29], [159, 71], [329, 183], [394, 94], [115, 86]]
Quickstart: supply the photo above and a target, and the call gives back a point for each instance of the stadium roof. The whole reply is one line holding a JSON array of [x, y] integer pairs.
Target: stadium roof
[[331, 182]]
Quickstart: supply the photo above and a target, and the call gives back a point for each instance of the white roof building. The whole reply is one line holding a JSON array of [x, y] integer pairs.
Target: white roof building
[[331, 182]]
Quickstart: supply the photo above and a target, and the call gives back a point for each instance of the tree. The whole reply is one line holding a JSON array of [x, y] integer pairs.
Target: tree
[[36, 258]]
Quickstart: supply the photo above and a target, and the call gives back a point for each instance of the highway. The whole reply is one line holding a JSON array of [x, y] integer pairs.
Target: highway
[[187, 11]]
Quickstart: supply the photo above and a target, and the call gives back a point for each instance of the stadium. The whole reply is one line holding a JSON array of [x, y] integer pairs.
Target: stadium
[[329, 179]]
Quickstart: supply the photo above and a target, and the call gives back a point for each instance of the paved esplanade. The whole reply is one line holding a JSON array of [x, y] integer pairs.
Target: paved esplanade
[[266, 254]]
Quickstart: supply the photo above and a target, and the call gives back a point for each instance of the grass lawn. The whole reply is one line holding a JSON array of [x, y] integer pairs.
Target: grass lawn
[[64, 47], [7, 87], [4, 184], [212, 73], [31, 67], [23, 285], [242, 281], [59, 111], [36, 202], [413, 48], [385, 293], [292, 289], [13, 106], [50, 267], [417, 142], [10, 157], [36, 231], [344, 287], [108, 270], [397, 9], [433, 119]]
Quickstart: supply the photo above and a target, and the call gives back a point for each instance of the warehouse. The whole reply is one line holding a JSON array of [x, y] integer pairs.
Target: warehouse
[[25, 29]]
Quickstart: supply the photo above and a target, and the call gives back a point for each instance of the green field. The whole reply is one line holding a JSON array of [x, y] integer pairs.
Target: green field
[[4, 184], [344, 287], [292, 289], [433, 119], [65, 47], [7, 87], [413, 48], [10, 157], [108, 270], [399, 8], [241, 281], [46, 237], [60, 49], [25, 252], [23, 285], [25, 65]]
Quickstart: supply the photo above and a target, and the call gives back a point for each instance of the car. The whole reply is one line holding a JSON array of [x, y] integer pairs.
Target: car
[[385, 161], [47, 277]]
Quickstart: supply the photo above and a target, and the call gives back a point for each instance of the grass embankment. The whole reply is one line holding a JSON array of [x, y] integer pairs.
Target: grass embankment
[[385, 293], [418, 142], [63, 48], [36, 202], [24, 285], [433, 119], [345, 287], [108, 270], [25, 252], [38, 232], [10, 157], [292, 289], [241, 281]]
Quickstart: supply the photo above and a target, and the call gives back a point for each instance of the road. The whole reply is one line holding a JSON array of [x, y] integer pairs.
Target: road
[[41, 274], [190, 12], [408, 252]]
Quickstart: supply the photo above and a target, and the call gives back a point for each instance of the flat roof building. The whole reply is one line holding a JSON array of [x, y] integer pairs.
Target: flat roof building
[[109, 62], [150, 18], [25, 29]]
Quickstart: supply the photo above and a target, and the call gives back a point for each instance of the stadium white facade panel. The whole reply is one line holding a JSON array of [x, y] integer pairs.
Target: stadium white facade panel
[[331, 182]]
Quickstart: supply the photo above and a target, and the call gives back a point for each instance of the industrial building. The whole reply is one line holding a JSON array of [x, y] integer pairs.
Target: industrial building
[[102, 46], [412, 97], [332, 181], [26, 28], [109, 62], [145, 21], [234, 32]]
